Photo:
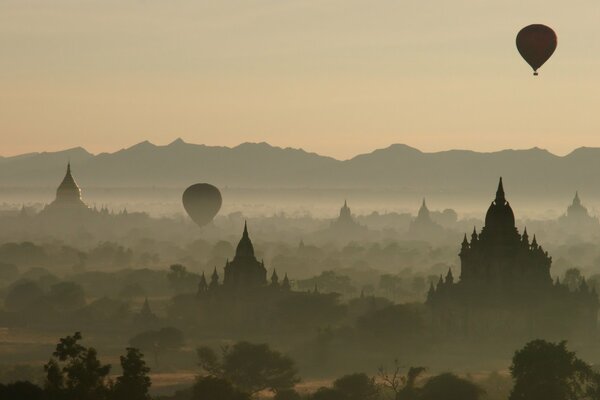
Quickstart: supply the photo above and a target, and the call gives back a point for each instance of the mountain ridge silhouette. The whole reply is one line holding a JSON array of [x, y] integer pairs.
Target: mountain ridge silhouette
[[397, 167]]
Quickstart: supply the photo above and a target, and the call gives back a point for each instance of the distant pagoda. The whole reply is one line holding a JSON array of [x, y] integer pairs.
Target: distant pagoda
[[68, 196], [345, 223], [577, 217], [423, 226]]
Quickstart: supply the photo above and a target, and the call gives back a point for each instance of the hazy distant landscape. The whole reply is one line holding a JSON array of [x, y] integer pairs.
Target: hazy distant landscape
[[260, 179]]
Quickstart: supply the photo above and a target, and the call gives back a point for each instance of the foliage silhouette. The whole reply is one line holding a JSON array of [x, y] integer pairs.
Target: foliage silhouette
[[213, 388], [356, 387], [450, 387], [158, 342], [548, 371], [74, 372], [21, 390], [134, 383], [250, 367]]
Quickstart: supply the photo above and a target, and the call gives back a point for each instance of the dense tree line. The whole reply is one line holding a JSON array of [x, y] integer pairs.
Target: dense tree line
[[541, 371]]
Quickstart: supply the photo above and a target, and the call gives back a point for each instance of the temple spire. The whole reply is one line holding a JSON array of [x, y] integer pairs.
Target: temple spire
[[474, 236], [286, 283], [449, 277], [245, 247], [500, 199], [525, 237]]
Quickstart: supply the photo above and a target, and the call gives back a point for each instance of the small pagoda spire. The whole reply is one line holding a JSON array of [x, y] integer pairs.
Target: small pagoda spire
[[525, 237], [449, 277], [202, 285], [431, 292], [285, 285], [274, 279], [465, 242], [474, 235], [583, 286], [440, 282], [214, 280], [534, 244], [145, 307]]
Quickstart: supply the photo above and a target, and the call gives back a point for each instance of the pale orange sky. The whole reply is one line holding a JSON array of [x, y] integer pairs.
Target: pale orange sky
[[338, 77]]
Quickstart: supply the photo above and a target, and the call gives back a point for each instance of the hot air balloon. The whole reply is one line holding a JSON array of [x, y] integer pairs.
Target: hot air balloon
[[536, 43], [202, 202]]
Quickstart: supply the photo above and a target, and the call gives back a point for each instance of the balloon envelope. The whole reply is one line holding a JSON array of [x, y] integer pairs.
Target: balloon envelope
[[202, 202], [536, 43]]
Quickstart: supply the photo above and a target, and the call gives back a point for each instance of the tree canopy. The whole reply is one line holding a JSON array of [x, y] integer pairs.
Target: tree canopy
[[549, 371], [250, 367]]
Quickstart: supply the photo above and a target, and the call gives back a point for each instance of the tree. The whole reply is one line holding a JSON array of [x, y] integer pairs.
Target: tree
[[213, 388], [450, 387], [403, 386], [326, 393], [22, 294], [67, 295], [134, 383], [548, 371], [21, 390], [8, 272], [573, 278], [356, 387], [250, 367], [74, 371], [157, 342], [181, 280]]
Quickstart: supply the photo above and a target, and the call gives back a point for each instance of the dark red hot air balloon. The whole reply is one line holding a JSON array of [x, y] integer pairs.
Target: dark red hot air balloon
[[202, 202], [536, 43]]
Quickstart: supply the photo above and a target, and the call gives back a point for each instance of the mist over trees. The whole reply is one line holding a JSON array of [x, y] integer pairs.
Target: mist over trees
[[294, 305]]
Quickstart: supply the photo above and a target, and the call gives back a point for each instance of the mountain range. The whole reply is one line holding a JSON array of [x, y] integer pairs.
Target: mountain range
[[260, 165]]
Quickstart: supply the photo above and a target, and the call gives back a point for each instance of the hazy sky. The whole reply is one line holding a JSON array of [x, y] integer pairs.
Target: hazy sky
[[338, 77]]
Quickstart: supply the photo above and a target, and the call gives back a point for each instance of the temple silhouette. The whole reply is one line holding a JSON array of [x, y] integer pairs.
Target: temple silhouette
[[505, 287], [577, 219], [68, 197], [423, 226], [344, 227], [243, 272]]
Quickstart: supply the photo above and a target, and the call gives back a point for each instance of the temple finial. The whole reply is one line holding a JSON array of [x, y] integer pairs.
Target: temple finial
[[500, 199]]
